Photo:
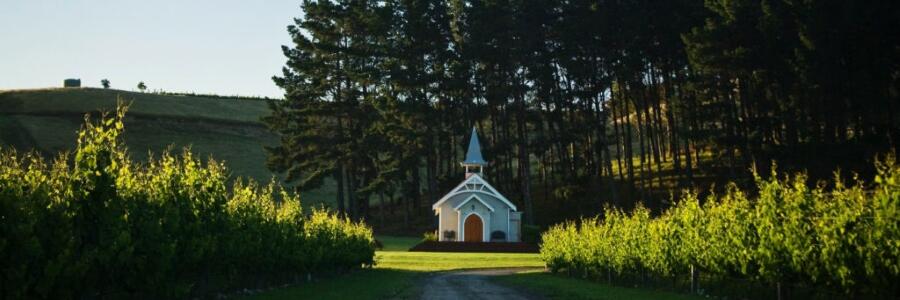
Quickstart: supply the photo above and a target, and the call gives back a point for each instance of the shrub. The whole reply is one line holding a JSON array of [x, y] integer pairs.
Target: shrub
[[98, 225], [449, 234], [498, 235], [845, 236], [429, 236]]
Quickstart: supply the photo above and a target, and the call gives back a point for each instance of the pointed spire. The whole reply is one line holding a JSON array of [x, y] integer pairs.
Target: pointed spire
[[473, 156]]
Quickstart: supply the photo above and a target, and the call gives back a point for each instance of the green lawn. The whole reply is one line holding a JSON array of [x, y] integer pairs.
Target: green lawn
[[397, 273], [397, 243], [442, 261], [367, 284], [395, 256], [559, 287]]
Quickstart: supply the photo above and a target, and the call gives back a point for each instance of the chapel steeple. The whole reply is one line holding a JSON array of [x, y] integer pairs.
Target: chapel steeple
[[473, 156]]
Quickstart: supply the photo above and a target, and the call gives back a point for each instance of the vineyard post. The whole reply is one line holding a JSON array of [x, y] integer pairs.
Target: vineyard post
[[778, 290], [643, 276], [694, 279]]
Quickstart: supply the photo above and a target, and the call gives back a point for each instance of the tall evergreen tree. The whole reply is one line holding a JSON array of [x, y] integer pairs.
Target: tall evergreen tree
[[581, 103]]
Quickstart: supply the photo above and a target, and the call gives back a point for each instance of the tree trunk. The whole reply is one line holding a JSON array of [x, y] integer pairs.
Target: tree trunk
[[339, 176], [353, 204], [524, 164]]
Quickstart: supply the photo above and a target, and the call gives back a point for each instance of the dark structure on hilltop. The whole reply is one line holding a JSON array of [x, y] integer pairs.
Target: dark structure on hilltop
[[72, 83]]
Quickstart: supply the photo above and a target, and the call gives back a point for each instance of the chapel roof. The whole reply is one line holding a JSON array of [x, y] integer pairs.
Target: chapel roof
[[474, 185], [473, 155]]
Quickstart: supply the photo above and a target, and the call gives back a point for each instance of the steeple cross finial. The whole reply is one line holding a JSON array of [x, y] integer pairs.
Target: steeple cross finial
[[473, 155]]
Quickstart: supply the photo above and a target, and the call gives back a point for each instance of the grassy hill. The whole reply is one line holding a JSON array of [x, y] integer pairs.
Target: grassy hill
[[227, 129]]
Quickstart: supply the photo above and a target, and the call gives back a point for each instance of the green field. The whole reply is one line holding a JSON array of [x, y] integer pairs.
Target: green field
[[226, 129], [398, 274]]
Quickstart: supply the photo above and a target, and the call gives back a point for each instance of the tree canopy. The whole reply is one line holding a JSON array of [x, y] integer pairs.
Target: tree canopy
[[605, 101]]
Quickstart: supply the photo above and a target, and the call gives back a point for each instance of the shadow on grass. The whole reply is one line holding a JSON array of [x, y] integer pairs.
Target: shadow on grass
[[560, 287], [361, 284], [397, 243]]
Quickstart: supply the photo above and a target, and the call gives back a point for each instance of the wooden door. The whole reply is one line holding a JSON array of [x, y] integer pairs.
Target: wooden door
[[474, 228]]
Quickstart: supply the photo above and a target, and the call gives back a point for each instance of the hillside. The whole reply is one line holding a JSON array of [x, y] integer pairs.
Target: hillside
[[227, 129]]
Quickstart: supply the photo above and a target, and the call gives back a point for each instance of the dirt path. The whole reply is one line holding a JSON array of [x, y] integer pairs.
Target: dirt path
[[471, 285]]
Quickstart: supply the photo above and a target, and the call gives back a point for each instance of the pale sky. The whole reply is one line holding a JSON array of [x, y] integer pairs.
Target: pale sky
[[226, 47]]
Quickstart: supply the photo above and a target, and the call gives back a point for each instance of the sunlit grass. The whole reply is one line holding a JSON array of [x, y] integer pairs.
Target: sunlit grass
[[443, 261]]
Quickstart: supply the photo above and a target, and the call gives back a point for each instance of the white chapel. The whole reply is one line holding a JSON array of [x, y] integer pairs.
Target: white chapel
[[474, 211]]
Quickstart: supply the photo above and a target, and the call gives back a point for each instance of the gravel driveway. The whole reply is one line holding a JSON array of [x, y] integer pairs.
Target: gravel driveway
[[472, 285]]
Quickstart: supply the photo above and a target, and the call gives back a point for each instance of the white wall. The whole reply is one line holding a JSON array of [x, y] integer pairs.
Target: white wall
[[515, 227], [451, 219]]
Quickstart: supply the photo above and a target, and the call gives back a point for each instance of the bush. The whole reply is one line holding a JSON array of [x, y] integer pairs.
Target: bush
[[842, 236], [430, 236], [498, 235], [449, 235], [103, 226]]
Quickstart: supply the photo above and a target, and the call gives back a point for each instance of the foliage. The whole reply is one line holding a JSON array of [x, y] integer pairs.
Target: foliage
[[377, 92], [105, 83], [430, 236], [835, 235], [97, 225], [449, 234], [228, 129], [498, 235], [141, 86]]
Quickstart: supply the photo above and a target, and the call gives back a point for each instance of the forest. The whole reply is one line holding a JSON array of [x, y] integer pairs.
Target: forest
[[580, 104]]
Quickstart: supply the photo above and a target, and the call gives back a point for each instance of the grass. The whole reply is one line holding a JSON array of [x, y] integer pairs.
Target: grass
[[397, 243], [394, 255], [443, 261], [61, 100], [397, 275], [362, 285], [397, 271], [558, 287]]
